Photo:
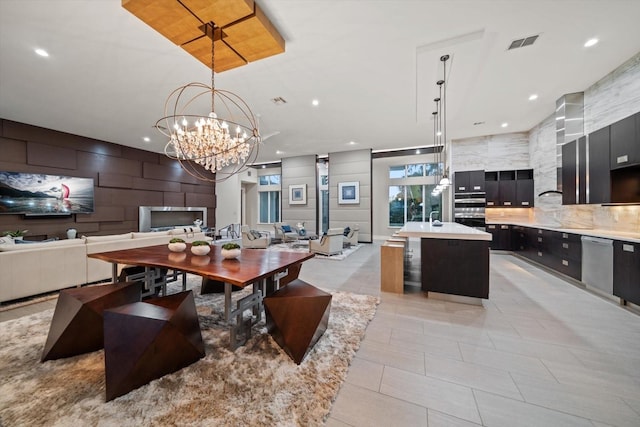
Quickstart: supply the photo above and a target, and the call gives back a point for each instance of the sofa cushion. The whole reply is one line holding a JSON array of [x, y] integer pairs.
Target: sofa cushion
[[347, 230], [255, 233], [109, 238], [286, 228], [6, 241], [41, 245], [183, 230], [143, 234]]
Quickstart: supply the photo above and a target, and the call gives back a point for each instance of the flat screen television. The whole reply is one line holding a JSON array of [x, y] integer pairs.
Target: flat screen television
[[39, 194]]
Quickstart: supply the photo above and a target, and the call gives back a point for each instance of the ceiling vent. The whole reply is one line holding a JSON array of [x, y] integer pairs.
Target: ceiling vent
[[527, 41], [279, 100]]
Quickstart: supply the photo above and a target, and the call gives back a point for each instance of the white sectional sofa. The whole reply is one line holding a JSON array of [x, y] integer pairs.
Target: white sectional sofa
[[35, 268]]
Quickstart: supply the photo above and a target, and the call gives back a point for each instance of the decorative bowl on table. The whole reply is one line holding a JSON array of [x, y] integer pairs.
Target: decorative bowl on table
[[177, 245], [200, 247], [230, 250]]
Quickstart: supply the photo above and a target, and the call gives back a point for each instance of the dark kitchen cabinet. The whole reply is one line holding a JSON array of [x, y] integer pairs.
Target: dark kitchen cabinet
[[524, 188], [625, 142], [469, 181], [509, 188], [626, 270], [599, 175], [574, 172], [569, 172], [492, 192], [567, 249], [501, 236]]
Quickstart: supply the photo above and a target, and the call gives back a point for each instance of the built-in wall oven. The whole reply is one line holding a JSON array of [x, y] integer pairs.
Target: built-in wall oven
[[468, 209]]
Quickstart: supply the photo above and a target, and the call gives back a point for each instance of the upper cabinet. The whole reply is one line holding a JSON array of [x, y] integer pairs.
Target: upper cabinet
[[598, 170], [625, 142], [509, 188], [469, 181]]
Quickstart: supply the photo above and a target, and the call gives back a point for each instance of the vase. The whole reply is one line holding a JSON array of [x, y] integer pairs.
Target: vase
[[177, 246], [71, 233], [230, 253], [200, 250]]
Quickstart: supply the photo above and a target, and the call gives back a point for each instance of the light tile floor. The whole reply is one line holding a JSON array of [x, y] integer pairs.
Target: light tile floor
[[540, 352]]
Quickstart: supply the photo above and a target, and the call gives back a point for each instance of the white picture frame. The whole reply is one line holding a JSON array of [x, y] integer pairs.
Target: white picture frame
[[349, 193], [298, 194]]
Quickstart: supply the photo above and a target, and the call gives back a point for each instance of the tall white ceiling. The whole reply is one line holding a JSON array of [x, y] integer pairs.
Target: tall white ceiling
[[371, 64]]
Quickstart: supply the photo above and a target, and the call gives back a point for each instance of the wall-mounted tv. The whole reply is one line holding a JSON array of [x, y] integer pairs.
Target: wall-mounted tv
[[39, 194]]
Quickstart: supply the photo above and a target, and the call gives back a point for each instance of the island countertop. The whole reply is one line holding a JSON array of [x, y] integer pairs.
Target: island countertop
[[448, 230]]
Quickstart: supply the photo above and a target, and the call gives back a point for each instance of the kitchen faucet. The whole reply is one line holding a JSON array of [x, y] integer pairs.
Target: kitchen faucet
[[431, 216]]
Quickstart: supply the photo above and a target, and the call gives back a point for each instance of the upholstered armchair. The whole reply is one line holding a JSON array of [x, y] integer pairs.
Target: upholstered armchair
[[253, 239], [351, 238], [329, 244], [285, 232]]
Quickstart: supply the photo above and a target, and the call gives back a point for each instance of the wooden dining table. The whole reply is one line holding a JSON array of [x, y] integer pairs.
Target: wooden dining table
[[263, 269]]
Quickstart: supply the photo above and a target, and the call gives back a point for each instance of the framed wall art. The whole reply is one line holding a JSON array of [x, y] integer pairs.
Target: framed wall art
[[348, 193], [298, 194]]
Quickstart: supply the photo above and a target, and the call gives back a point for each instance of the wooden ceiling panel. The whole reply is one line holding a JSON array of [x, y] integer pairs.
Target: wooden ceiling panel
[[247, 29], [220, 12], [226, 58], [168, 17], [255, 37]]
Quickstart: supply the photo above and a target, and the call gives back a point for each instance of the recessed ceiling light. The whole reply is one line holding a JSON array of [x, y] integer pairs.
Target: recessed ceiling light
[[315, 102], [505, 124], [42, 52], [418, 151], [533, 97], [264, 166], [146, 139], [279, 152], [591, 42], [352, 143]]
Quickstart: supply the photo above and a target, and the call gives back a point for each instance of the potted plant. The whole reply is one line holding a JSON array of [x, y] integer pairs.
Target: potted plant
[[200, 247], [15, 234], [230, 250], [177, 245]]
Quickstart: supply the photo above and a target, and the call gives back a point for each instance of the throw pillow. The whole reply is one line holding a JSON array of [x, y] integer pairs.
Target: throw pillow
[[286, 228], [250, 236], [22, 241], [255, 233], [347, 230]]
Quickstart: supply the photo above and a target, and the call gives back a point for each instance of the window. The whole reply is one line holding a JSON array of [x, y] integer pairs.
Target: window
[[396, 172], [270, 180], [269, 206], [415, 170], [269, 198], [434, 169], [412, 203]]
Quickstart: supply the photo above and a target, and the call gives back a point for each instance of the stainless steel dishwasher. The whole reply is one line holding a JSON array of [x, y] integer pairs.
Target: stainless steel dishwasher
[[597, 263]]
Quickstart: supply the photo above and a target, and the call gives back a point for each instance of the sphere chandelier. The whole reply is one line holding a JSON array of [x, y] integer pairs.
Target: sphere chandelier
[[215, 146]]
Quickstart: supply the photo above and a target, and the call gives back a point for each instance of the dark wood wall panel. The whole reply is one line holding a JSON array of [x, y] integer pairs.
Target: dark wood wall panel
[[173, 199], [13, 151], [101, 163], [124, 178], [26, 132], [156, 185], [114, 180], [49, 155], [105, 214], [167, 173], [192, 199]]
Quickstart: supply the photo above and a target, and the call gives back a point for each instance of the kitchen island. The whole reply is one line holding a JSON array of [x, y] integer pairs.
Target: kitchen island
[[454, 259]]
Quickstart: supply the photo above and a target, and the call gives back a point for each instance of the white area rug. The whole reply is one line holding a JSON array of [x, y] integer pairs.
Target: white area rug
[[258, 384], [304, 247]]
